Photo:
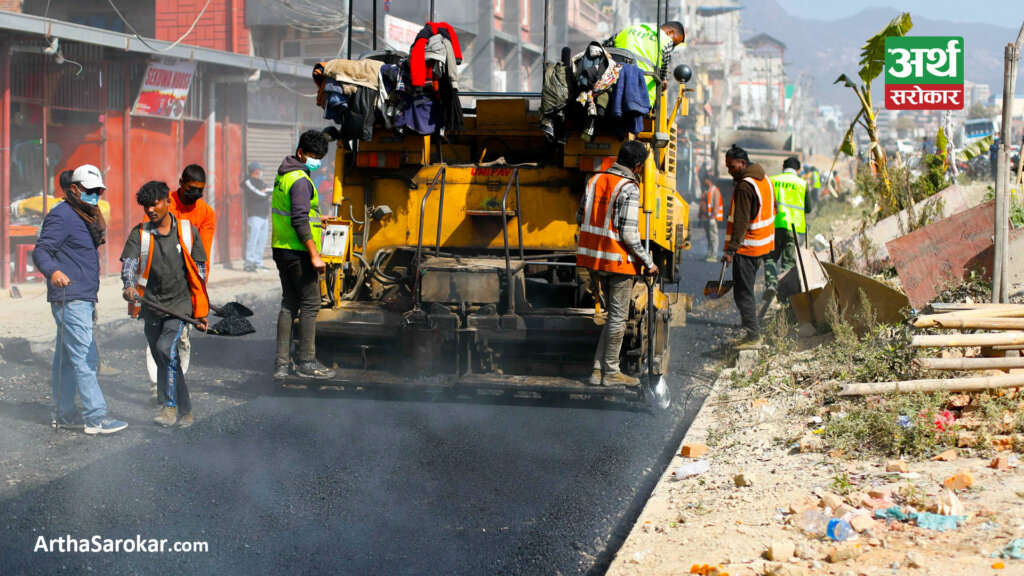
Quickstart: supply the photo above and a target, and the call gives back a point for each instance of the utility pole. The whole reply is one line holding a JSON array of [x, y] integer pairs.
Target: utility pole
[[1000, 288]]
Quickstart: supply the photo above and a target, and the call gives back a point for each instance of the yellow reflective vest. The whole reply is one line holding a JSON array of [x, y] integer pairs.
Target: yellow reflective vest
[[283, 235], [790, 194]]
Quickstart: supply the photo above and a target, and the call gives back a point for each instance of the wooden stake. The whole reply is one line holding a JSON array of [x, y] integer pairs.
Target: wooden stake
[[948, 384], [960, 323], [953, 340], [998, 311], [1007, 363]]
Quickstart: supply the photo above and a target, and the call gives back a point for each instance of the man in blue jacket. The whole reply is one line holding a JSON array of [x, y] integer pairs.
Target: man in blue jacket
[[67, 253]]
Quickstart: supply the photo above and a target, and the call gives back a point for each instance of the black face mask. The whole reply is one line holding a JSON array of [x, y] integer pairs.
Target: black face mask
[[191, 194]]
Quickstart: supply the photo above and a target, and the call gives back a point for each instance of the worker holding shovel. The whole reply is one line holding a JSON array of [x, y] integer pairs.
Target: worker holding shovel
[[164, 274], [749, 236]]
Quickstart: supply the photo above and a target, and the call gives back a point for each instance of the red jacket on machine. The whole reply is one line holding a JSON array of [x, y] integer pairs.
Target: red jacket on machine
[[419, 72]]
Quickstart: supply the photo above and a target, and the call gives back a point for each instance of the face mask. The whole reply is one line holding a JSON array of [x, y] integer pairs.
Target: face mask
[[88, 198], [312, 163], [191, 194]]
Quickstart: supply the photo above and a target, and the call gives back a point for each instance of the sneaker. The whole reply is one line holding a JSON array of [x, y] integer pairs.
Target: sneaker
[[73, 422], [619, 379], [595, 378], [711, 258], [281, 371], [769, 294], [105, 425], [168, 416], [749, 342], [315, 370], [186, 420]]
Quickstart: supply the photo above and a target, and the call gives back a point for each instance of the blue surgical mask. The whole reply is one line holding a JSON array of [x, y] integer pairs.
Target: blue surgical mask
[[88, 198], [312, 163]]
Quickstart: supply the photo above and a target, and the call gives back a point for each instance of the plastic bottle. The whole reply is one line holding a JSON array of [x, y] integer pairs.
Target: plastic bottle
[[825, 526], [692, 469]]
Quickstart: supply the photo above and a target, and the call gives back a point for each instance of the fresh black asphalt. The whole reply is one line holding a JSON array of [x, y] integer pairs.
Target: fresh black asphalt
[[293, 482]]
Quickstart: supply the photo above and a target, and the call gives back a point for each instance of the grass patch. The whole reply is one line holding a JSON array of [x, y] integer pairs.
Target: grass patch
[[900, 425]]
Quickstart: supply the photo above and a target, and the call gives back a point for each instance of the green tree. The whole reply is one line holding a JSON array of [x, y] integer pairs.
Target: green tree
[[872, 63]]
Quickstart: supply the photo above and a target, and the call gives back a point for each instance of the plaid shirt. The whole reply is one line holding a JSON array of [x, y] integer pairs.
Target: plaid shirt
[[625, 214]]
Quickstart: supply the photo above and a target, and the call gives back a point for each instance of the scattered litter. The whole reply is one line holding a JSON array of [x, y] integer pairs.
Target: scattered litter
[[903, 421], [692, 469], [947, 504], [926, 520], [1014, 550], [825, 526]]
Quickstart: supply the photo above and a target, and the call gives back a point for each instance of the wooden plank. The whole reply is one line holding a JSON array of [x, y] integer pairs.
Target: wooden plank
[[947, 384]]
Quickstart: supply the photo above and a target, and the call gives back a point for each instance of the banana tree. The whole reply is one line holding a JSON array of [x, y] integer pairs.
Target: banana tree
[[872, 62]]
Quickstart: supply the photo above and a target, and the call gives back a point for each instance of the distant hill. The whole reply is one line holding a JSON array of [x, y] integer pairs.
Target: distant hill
[[826, 49]]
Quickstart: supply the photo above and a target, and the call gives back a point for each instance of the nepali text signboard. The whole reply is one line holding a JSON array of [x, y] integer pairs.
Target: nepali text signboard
[[400, 34], [924, 73], [164, 90]]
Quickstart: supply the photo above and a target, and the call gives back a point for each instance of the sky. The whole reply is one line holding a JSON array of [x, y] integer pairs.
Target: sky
[[1007, 13]]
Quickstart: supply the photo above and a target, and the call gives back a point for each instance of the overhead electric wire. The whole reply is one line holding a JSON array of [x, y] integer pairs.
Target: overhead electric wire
[[143, 40], [274, 76]]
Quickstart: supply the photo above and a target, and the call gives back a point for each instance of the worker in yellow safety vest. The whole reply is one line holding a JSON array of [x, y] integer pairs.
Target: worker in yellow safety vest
[[295, 240], [792, 199], [749, 236], [653, 45], [611, 250]]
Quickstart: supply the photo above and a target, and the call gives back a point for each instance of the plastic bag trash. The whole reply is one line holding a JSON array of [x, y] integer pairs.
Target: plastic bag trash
[[926, 520], [820, 242], [938, 522], [692, 469], [1014, 549]]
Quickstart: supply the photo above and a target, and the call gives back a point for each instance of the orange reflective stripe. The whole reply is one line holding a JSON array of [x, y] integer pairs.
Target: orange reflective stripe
[[196, 284], [760, 237], [713, 204], [600, 244]]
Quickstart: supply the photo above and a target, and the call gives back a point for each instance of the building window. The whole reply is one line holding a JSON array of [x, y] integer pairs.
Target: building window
[[499, 8], [524, 11]]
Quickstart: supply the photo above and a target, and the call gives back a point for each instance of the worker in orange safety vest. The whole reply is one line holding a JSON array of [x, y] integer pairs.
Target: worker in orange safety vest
[[164, 261], [710, 215], [611, 249], [749, 236]]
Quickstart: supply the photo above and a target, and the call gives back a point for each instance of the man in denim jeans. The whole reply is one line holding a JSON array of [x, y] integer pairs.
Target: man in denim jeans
[[67, 254]]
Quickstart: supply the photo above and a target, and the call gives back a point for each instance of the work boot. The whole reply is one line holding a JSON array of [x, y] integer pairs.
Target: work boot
[[749, 342], [595, 378], [619, 379], [167, 417], [769, 294], [186, 420], [315, 370], [281, 371]]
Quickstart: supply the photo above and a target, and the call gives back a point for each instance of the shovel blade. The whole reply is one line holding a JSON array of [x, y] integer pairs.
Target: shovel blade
[[659, 394], [714, 290], [232, 326]]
